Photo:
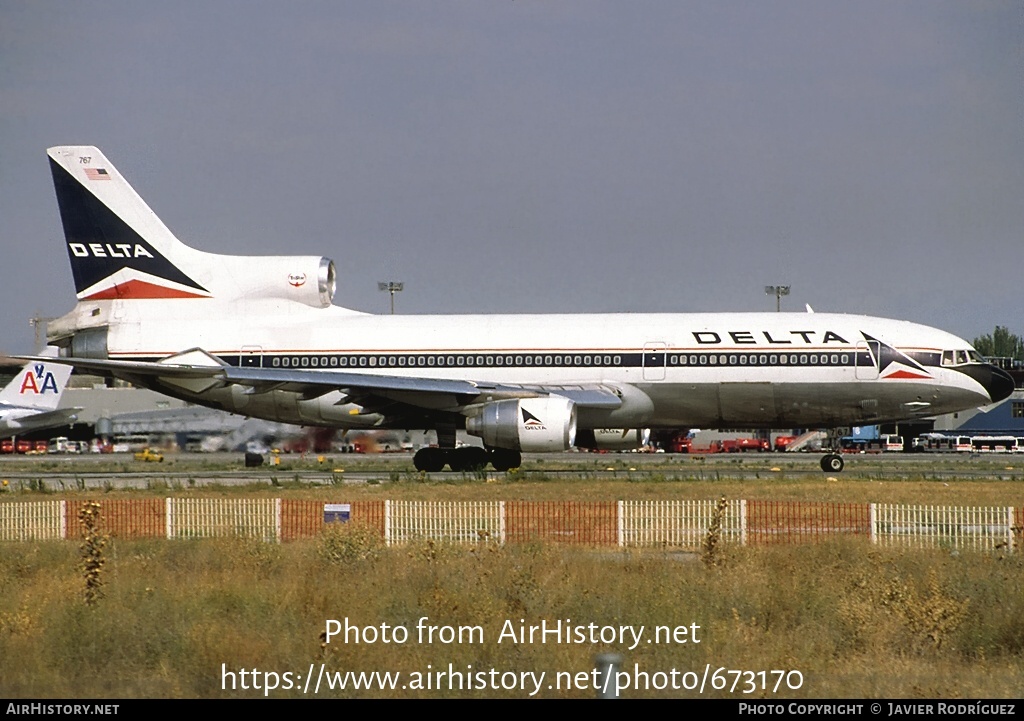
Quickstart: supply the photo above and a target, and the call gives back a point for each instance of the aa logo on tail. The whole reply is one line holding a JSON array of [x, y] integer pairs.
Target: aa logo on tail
[[38, 381]]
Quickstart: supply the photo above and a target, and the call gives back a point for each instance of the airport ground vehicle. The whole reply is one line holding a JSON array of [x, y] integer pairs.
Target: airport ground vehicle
[[739, 445], [941, 443], [61, 444], [782, 443], [993, 444], [149, 456], [679, 443], [884, 443]]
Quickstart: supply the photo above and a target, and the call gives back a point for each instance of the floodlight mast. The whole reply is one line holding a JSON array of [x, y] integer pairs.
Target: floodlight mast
[[392, 287], [778, 291]]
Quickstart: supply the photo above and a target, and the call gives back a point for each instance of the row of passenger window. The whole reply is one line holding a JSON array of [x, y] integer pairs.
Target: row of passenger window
[[762, 359], [442, 361], [491, 361]]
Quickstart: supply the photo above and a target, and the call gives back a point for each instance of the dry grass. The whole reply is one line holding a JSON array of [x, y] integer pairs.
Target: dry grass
[[856, 621]]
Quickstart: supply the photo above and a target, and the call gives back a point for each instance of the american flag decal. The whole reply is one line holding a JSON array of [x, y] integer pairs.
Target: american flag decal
[[97, 174]]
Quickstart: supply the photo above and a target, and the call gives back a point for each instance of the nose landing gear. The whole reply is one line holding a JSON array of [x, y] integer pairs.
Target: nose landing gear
[[832, 463]]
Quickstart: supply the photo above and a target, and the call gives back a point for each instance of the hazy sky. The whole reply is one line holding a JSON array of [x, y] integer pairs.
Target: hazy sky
[[542, 156]]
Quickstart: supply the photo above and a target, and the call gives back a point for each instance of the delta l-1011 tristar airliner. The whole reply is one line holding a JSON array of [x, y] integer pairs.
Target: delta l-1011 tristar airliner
[[259, 336], [29, 402]]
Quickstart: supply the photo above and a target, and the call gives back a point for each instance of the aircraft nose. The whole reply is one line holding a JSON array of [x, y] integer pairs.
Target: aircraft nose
[[997, 382]]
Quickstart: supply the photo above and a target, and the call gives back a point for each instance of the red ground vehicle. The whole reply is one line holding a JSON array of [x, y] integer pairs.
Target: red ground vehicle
[[6, 446], [737, 445], [781, 442], [683, 443], [679, 444], [22, 446]]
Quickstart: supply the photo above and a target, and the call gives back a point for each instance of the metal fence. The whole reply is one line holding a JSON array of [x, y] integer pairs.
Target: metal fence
[[33, 521], [448, 521], [589, 523], [305, 519], [224, 518], [796, 521], [677, 524], [125, 518], [663, 524], [973, 528]]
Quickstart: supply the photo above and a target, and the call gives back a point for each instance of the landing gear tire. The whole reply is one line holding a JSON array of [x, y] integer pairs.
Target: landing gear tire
[[431, 460], [469, 459], [504, 459], [832, 463]]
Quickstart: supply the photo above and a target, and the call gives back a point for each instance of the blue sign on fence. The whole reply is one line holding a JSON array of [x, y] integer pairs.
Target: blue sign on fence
[[337, 512]]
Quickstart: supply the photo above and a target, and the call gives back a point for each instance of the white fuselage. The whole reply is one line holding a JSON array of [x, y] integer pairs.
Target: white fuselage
[[671, 370]]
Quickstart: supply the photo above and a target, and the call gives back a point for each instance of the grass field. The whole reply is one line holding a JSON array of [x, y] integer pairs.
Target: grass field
[[854, 620]]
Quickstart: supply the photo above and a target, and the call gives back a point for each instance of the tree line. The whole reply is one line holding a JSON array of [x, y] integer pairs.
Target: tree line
[[1000, 343]]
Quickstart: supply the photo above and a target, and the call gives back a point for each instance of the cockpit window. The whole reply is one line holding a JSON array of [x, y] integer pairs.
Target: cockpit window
[[960, 357]]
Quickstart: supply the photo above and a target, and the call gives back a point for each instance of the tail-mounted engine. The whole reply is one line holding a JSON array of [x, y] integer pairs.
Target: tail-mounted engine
[[307, 279]]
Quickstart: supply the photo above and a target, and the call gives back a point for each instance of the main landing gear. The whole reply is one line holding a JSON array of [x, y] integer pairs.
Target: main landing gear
[[466, 459]]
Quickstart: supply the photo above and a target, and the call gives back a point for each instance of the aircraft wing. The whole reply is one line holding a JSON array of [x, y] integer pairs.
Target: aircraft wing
[[375, 392]]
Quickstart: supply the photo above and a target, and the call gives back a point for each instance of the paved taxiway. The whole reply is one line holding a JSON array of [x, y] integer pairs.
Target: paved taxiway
[[187, 470]]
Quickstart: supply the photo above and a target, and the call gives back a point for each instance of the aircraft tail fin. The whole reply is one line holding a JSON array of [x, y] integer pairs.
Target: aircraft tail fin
[[118, 247], [120, 250], [37, 385]]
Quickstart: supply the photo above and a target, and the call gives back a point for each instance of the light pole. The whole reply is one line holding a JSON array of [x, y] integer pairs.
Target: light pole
[[778, 291], [391, 287]]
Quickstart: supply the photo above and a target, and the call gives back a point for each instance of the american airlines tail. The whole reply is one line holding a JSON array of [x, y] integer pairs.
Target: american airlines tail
[[120, 250], [38, 386]]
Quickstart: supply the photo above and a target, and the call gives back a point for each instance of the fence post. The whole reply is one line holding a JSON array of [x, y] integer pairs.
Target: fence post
[[387, 523], [169, 518], [277, 519], [501, 522], [620, 521], [873, 522], [1009, 528], [743, 522], [64, 520]]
